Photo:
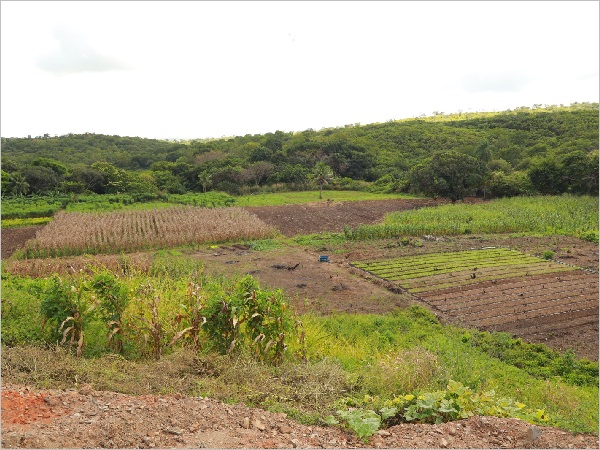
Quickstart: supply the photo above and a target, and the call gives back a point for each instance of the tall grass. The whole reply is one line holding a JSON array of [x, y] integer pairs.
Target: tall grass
[[554, 215], [115, 232], [410, 352]]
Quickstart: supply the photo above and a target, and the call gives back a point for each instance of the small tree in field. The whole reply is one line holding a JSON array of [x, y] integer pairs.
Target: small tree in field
[[322, 175]]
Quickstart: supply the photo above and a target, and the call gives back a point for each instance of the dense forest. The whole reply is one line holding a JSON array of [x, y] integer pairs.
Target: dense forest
[[546, 150]]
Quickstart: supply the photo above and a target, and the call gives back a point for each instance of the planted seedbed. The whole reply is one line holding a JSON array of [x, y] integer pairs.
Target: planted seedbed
[[446, 270], [499, 289], [525, 305]]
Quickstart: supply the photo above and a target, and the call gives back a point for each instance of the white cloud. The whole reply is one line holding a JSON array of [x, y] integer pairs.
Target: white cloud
[[74, 55]]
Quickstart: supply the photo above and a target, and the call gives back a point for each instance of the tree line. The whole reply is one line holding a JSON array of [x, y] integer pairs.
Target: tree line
[[549, 150]]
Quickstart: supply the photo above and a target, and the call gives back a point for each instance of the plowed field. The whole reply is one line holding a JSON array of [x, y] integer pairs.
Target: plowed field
[[501, 290]]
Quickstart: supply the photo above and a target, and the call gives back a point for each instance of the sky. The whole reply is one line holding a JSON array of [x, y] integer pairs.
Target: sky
[[201, 69]]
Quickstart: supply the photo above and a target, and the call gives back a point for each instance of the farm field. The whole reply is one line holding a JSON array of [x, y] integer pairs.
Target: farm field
[[330, 288], [511, 289], [497, 289]]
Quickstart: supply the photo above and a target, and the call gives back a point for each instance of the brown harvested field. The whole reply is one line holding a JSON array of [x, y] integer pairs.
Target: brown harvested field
[[15, 238], [125, 231]]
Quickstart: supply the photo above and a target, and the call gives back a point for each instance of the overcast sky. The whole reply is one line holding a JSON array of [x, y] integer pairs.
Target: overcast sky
[[185, 70]]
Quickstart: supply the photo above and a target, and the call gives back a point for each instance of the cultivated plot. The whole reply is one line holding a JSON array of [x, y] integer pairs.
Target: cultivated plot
[[499, 289], [426, 273]]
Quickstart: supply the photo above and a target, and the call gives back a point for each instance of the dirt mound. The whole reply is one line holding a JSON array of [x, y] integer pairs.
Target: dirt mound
[[86, 418]]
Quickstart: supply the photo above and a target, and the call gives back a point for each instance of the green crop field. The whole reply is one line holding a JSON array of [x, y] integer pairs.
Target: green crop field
[[445, 270], [553, 215]]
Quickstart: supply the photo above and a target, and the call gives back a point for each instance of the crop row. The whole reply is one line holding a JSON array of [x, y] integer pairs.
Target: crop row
[[425, 270], [438, 263], [123, 231], [469, 255], [442, 271]]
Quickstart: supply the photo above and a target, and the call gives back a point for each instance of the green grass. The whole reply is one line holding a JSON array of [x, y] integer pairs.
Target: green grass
[[557, 215], [31, 207], [21, 211], [289, 198]]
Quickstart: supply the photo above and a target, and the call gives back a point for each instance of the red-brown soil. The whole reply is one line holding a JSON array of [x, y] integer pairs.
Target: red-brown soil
[[84, 418]]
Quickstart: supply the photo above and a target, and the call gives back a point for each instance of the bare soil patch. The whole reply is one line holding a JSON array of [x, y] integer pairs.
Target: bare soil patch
[[559, 309], [15, 238], [85, 418], [292, 220]]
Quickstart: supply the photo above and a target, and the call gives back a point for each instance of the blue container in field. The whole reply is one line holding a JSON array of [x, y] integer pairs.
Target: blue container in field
[[323, 258]]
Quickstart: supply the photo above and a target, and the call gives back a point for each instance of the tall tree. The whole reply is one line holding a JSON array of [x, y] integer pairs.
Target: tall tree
[[450, 175], [16, 183], [205, 179]]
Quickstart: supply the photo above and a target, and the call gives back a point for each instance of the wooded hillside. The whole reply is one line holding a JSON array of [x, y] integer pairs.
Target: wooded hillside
[[528, 150]]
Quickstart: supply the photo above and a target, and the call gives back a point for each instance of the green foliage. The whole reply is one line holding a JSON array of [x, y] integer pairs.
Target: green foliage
[[450, 175], [548, 255], [363, 423], [454, 403], [356, 154], [114, 297], [591, 236], [15, 223], [250, 318], [263, 244], [22, 319], [47, 206], [31, 207], [287, 198], [536, 359], [321, 175], [66, 305], [459, 402]]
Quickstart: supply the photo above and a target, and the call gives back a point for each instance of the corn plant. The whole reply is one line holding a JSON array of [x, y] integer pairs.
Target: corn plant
[[249, 318], [69, 307], [113, 300], [191, 315], [148, 323], [269, 323]]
